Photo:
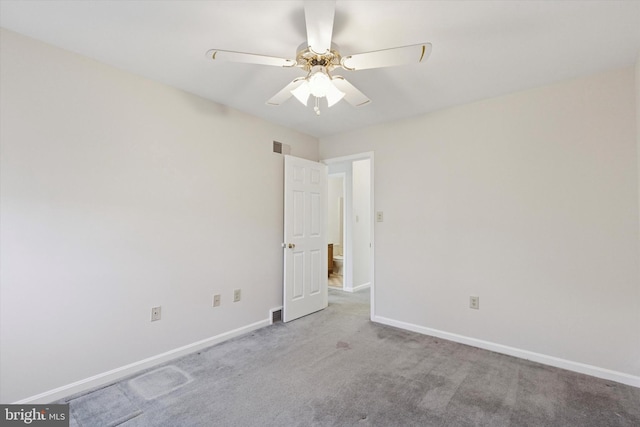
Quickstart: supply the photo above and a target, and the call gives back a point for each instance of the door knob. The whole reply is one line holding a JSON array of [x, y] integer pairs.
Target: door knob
[[291, 245]]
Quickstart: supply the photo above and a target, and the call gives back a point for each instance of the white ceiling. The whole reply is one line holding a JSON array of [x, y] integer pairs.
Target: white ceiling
[[481, 49]]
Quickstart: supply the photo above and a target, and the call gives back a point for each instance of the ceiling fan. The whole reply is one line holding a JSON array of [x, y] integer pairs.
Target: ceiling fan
[[318, 57]]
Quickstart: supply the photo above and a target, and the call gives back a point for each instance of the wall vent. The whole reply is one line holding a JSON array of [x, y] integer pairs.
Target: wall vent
[[276, 316], [280, 148], [277, 147]]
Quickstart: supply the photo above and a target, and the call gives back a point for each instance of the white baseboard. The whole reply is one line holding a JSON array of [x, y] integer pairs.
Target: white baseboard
[[358, 288], [569, 365], [123, 371], [132, 368]]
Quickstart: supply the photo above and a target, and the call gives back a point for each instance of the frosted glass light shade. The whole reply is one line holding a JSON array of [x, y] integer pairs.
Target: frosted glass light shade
[[302, 93], [319, 84], [333, 95]]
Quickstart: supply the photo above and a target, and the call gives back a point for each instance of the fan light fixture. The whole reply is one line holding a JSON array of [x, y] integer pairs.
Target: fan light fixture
[[318, 56], [318, 83]]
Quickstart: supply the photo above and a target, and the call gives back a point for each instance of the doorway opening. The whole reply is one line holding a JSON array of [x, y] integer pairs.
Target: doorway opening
[[351, 223], [335, 228]]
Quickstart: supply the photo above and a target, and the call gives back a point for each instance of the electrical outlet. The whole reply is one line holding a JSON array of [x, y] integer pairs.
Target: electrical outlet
[[380, 216], [236, 295], [474, 302], [156, 313], [216, 300]]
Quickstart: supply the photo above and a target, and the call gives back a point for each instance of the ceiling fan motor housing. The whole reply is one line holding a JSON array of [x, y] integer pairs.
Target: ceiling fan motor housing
[[307, 59]]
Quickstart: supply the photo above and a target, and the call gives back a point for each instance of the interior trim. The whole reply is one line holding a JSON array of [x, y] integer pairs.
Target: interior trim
[[569, 365]]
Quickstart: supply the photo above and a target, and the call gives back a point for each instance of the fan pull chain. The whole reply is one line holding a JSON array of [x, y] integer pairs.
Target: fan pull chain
[[317, 107]]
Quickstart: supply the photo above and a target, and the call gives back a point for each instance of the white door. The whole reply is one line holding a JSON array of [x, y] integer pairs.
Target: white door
[[305, 237]]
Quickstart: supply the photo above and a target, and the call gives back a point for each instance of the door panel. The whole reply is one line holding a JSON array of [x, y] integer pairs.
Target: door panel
[[298, 275], [298, 214], [316, 263], [305, 237]]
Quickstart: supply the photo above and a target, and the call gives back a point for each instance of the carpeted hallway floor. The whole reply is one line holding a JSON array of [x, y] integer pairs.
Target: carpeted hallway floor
[[335, 368]]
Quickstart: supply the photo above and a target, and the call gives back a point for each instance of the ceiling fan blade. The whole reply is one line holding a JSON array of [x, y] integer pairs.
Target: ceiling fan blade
[[318, 16], [284, 94], [249, 58], [352, 95], [387, 57]]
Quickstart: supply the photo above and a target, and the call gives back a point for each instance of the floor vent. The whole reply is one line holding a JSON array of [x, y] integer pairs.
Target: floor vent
[[276, 316]]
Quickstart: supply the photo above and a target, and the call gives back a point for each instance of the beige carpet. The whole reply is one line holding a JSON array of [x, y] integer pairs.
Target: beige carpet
[[336, 368]]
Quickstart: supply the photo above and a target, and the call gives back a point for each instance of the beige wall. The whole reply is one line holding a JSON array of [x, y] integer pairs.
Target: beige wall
[[637, 328], [361, 220], [529, 201], [335, 202], [120, 194]]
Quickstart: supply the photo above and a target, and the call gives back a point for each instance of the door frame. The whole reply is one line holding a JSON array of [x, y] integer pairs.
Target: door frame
[[343, 176], [350, 158]]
